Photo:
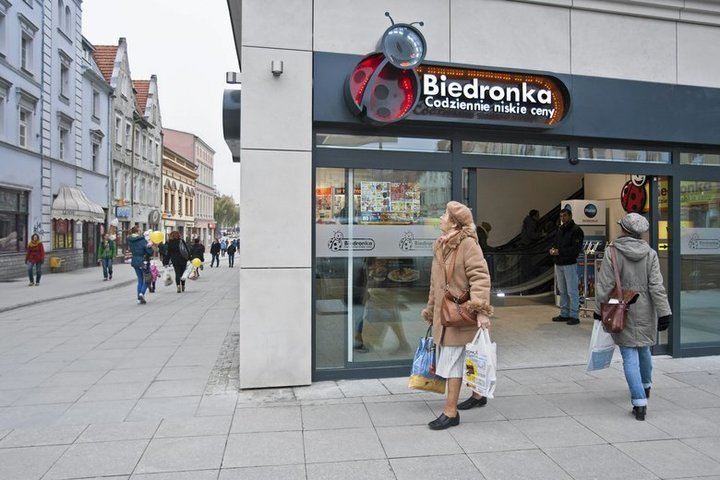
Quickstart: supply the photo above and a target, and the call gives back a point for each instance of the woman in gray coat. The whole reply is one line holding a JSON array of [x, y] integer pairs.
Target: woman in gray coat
[[639, 271]]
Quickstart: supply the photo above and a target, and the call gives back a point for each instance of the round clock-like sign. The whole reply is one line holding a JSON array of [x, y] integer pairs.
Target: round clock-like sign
[[403, 45]]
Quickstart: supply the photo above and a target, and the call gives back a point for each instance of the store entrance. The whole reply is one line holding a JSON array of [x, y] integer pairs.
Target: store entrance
[[516, 246]]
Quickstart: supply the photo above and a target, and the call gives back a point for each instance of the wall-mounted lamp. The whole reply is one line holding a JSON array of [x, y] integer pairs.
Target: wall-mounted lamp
[[276, 67]]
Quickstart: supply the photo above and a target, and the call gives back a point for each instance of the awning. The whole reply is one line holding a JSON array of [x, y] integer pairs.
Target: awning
[[72, 204]]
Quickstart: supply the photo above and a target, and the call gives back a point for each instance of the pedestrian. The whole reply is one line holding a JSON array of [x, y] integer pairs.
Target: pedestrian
[[458, 244], [106, 251], [215, 252], [154, 274], [564, 252], [529, 236], [139, 248], [178, 254], [197, 251], [530, 232], [34, 258], [483, 231], [639, 270], [231, 249], [223, 246]]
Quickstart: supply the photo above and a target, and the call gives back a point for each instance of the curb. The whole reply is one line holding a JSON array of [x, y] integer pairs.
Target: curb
[[69, 295]]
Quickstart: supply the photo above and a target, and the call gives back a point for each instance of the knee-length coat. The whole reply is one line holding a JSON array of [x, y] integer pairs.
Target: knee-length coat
[[471, 271]]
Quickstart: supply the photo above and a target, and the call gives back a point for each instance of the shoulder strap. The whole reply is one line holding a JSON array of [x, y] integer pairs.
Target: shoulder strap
[[616, 269]]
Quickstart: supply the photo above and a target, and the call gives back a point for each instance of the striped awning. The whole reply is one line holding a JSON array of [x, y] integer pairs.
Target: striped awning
[[72, 204]]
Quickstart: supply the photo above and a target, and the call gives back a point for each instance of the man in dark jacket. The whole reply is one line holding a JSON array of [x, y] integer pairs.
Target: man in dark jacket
[[565, 250]]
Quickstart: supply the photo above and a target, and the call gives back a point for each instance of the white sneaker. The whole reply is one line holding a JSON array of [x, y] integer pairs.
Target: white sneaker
[[141, 299]]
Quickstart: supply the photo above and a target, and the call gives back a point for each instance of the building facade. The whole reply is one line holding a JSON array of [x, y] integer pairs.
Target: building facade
[[51, 183], [179, 193], [135, 142], [604, 91], [191, 146]]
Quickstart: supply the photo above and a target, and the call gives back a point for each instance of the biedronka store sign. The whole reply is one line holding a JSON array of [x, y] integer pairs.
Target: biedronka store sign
[[452, 94]]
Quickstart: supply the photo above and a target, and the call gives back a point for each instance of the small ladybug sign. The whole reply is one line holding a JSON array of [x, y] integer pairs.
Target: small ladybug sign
[[634, 195]]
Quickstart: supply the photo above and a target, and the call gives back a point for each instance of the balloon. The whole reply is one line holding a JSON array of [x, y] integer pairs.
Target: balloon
[[156, 237], [196, 262]]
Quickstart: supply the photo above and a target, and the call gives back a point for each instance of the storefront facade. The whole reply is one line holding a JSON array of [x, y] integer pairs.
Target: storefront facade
[[639, 93]]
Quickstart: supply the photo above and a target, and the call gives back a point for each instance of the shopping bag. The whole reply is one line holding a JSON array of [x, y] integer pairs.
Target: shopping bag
[[167, 277], [188, 270], [601, 348], [481, 364], [422, 374]]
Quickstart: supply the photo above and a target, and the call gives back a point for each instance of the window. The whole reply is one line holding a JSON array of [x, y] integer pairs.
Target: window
[[144, 145], [374, 232], [4, 89], [96, 104], [27, 34], [13, 220], [514, 149], [128, 134], [116, 178], [26, 52], [127, 187], [61, 13], [95, 156], [621, 155], [63, 234], [68, 21], [24, 127], [3, 11], [382, 143], [118, 130], [64, 137], [64, 81], [141, 193], [711, 159], [700, 260]]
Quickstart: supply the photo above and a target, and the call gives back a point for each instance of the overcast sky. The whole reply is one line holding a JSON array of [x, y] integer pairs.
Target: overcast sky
[[189, 46]]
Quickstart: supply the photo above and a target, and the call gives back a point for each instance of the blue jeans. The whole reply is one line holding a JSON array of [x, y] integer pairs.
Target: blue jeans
[[107, 264], [141, 285], [567, 282], [231, 259], [215, 258], [38, 272], [637, 365]]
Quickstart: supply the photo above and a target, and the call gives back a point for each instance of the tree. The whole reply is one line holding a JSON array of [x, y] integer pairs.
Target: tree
[[226, 212]]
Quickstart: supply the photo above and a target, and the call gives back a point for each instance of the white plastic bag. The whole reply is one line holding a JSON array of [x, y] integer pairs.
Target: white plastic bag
[[167, 277], [601, 348], [481, 364], [188, 270]]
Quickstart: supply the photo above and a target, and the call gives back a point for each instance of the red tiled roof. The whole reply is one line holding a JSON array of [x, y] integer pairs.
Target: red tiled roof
[[141, 87], [105, 58]]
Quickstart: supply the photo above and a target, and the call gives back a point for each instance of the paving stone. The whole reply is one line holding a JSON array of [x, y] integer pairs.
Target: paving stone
[[108, 432], [598, 461], [670, 458], [489, 437], [98, 459], [194, 426], [356, 470], [416, 441], [532, 463], [557, 432], [267, 419], [335, 416], [285, 472], [264, 449], [184, 453], [42, 435]]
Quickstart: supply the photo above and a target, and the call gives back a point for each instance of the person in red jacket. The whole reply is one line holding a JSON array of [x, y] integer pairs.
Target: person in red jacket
[[34, 257]]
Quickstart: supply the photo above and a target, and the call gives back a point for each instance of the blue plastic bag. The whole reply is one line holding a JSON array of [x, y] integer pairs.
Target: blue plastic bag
[[422, 373]]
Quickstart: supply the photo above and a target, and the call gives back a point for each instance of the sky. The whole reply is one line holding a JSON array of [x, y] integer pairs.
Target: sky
[[189, 46]]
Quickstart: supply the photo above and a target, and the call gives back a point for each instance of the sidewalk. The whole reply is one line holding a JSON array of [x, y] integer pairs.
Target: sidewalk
[[53, 286], [122, 391]]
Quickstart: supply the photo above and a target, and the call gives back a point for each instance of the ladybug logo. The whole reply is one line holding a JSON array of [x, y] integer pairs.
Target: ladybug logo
[[633, 197], [384, 87]]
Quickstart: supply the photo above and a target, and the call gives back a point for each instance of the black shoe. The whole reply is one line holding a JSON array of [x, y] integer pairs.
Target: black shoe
[[472, 402], [647, 392], [560, 318], [443, 421], [639, 413], [572, 321]]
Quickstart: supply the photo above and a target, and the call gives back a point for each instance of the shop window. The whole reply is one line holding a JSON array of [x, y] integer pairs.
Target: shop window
[[63, 234], [700, 255], [620, 155], [515, 149], [373, 142], [709, 159], [13, 220], [374, 234]]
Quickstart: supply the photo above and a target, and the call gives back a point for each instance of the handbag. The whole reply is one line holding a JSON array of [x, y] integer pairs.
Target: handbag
[[481, 364], [453, 312], [614, 312], [422, 373]]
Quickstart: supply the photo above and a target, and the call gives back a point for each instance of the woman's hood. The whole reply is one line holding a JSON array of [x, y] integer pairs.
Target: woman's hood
[[634, 249]]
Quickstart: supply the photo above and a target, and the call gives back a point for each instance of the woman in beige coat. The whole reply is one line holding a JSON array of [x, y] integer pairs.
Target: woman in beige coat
[[459, 245]]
